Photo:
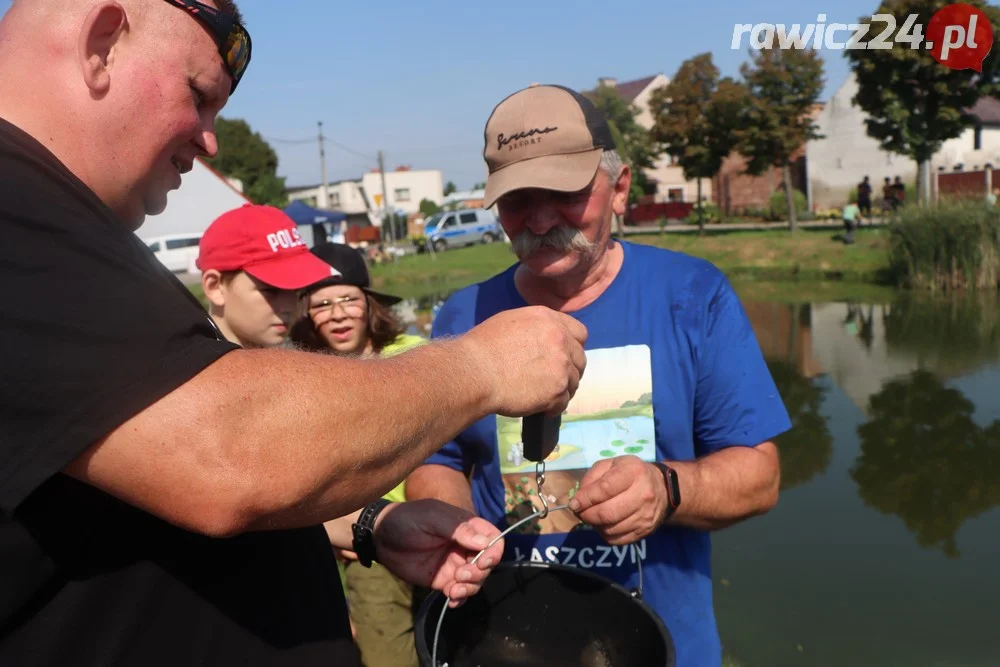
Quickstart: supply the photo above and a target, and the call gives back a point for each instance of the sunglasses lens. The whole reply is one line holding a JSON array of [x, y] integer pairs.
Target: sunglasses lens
[[237, 52]]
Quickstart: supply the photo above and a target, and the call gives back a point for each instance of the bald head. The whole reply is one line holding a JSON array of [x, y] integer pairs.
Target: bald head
[[124, 92]]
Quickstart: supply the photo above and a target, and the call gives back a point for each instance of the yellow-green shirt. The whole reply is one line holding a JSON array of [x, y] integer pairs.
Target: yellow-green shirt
[[401, 344]]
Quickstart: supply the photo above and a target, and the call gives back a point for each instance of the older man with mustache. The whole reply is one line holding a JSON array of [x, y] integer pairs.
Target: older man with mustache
[[670, 434]]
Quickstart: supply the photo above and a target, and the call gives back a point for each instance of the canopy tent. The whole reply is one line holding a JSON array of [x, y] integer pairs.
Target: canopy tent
[[304, 214], [315, 225]]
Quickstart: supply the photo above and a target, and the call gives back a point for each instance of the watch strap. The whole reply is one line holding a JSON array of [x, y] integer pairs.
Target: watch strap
[[673, 487], [364, 531]]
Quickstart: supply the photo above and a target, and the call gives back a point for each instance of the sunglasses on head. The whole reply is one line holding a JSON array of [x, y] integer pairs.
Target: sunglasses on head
[[232, 38]]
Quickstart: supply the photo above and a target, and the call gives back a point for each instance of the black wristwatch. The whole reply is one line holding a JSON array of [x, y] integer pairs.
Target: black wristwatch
[[673, 487], [364, 531]]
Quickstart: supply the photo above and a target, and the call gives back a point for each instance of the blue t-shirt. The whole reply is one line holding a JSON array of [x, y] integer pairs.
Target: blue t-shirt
[[674, 372]]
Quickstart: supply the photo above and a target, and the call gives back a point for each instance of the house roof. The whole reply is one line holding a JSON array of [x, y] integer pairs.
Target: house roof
[[630, 90], [298, 188], [465, 195], [203, 196], [987, 110]]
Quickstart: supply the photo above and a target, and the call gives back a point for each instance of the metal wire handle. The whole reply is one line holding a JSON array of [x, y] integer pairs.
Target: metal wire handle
[[542, 513]]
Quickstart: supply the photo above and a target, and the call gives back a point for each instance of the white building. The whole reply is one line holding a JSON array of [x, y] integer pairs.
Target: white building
[[669, 178], [406, 188], [344, 196], [846, 154], [203, 196], [357, 198]]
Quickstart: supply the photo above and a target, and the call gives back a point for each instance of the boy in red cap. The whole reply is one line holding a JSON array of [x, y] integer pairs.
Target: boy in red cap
[[252, 261]]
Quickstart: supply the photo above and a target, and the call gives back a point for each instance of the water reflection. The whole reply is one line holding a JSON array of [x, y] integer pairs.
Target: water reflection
[[926, 461], [923, 459], [948, 336], [806, 449]]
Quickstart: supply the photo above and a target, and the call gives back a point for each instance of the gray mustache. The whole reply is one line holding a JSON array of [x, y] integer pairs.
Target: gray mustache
[[562, 238]]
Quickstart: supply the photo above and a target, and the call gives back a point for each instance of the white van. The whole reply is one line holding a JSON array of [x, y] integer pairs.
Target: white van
[[451, 229], [177, 252]]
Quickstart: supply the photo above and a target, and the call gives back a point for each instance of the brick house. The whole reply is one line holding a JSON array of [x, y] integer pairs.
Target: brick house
[[736, 191], [731, 189]]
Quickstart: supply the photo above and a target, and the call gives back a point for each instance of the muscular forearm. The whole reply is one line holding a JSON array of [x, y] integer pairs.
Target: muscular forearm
[[441, 483], [270, 439], [727, 486]]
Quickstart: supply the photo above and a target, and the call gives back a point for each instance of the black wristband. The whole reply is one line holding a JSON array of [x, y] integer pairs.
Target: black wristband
[[364, 531], [673, 487]]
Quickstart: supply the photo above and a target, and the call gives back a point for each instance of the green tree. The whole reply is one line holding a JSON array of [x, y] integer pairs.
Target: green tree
[[782, 86], [914, 103], [245, 155], [428, 208], [635, 143], [696, 118], [479, 186], [449, 188]]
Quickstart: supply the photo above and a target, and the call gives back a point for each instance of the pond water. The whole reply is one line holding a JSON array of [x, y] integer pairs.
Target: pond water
[[884, 548]]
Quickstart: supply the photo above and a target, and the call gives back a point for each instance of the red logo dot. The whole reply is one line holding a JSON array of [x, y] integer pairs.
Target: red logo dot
[[961, 36]]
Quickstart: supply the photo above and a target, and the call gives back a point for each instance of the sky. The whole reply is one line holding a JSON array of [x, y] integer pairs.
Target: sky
[[418, 80]]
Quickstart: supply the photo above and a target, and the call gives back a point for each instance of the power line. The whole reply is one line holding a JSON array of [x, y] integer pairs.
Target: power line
[[291, 141], [351, 150], [325, 140]]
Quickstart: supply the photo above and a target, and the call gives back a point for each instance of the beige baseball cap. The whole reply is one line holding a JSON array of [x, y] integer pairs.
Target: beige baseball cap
[[544, 136]]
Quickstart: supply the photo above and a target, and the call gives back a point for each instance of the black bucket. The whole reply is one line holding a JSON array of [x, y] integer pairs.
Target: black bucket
[[548, 615]]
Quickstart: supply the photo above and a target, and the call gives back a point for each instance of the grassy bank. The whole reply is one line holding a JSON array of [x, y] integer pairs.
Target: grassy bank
[[808, 256]]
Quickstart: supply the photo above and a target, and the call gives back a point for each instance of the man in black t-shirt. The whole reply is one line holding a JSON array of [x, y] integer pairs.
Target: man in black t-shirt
[[162, 489], [865, 197]]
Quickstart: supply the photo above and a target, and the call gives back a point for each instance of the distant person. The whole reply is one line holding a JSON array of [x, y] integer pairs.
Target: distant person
[[865, 196], [852, 217], [889, 200], [899, 190]]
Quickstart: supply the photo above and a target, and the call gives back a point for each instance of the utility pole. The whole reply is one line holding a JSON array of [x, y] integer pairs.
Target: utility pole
[[385, 200], [322, 166]]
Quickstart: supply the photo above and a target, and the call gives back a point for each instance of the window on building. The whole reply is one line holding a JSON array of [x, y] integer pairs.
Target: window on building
[[675, 194], [977, 138], [402, 194], [335, 199]]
